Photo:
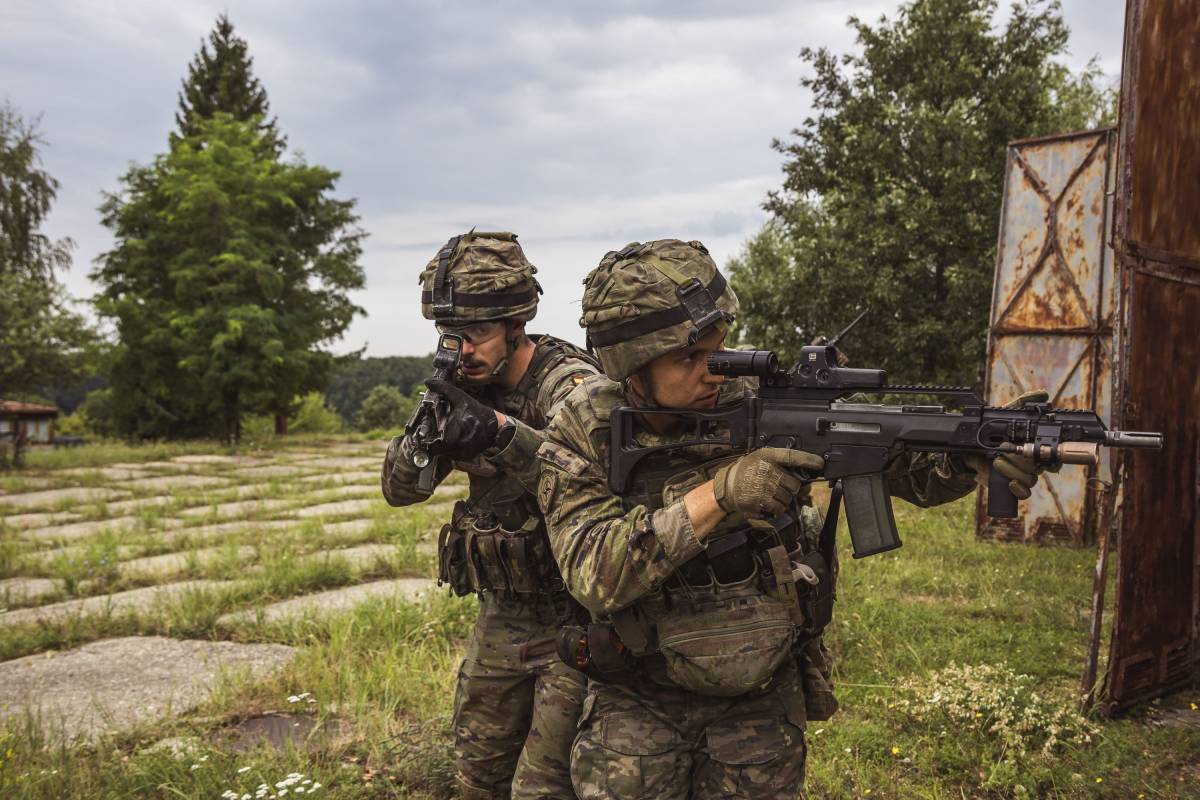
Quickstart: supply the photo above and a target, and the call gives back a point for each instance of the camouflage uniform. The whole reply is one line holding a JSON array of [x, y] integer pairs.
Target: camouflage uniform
[[516, 705], [656, 729]]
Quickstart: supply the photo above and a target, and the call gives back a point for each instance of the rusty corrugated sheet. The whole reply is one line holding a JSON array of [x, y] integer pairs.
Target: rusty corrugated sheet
[[1155, 644], [1052, 313]]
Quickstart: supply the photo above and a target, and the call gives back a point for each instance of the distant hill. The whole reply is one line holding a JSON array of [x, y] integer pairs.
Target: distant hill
[[353, 380]]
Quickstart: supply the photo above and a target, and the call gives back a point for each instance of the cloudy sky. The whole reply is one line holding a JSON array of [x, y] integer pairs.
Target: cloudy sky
[[581, 126]]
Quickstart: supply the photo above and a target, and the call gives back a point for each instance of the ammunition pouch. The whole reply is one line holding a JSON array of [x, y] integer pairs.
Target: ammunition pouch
[[503, 549]]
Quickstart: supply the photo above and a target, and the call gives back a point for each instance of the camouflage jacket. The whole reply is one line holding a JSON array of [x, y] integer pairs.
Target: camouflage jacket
[[613, 551], [557, 367]]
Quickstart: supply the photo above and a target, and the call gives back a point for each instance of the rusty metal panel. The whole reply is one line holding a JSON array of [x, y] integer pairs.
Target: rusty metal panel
[[1155, 641], [1164, 178], [1052, 313]]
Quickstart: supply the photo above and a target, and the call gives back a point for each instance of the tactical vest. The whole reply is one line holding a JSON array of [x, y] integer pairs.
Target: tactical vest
[[496, 540], [727, 619]]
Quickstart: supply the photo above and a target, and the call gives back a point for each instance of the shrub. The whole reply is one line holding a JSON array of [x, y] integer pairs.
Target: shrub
[[314, 416], [385, 407]]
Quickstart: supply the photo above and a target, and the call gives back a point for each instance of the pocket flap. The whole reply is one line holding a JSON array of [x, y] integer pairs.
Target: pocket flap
[[633, 735], [743, 741]]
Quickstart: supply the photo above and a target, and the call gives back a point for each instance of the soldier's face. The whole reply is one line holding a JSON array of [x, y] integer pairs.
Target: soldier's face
[[680, 379], [485, 345]]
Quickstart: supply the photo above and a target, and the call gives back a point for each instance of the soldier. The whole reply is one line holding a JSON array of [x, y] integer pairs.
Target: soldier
[[705, 669], [516, 705]]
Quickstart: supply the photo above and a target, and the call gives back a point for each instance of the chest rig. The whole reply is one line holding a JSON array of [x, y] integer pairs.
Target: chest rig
[[727, 619], [496, 539]]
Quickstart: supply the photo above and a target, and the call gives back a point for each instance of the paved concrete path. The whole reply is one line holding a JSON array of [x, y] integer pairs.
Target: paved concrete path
[[116, 684], [133, 600], [325, 603]]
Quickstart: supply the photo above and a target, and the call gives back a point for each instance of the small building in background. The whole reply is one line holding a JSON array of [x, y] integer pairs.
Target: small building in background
[[37, 421]]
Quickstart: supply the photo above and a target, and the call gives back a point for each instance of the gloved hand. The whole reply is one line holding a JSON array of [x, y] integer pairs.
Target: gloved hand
[[759, 484], [1021, 471], [470, 426]]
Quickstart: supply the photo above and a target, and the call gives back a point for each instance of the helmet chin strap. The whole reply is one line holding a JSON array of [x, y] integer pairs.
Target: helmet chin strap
[[510, 347]]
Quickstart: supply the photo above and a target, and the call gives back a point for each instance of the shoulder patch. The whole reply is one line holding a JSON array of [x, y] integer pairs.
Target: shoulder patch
[[564, 458], [578, 378]]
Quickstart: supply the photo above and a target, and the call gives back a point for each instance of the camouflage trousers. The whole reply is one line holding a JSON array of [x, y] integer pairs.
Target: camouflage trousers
[[660, 741], [516, 706]]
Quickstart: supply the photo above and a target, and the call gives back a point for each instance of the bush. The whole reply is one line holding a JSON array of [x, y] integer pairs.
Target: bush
[[97, 413], [1001, 706], [385, 407], [314, 416]]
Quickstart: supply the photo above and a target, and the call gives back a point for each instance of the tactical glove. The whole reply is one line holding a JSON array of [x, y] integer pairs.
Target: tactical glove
[[759, 484], [470, 426], [1021, 471]]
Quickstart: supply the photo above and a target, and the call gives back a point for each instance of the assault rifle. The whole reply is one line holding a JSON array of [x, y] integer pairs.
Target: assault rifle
[[427, 425], [802, 409]]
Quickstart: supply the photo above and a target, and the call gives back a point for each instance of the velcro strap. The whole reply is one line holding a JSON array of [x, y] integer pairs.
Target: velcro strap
[[656, 321], [442, 296]]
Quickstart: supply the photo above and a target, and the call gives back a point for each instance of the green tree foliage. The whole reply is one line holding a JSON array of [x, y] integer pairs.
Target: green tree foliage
[[230, 273], [385, 407], [42, 339], [354, 378], [222, 80], [892, 189]]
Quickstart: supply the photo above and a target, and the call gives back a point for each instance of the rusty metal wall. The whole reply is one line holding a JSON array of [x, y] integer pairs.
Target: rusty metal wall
[[1155, 641], [1052, 313]]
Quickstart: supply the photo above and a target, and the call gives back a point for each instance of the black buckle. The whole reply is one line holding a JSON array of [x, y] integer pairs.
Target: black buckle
[[700, 306]]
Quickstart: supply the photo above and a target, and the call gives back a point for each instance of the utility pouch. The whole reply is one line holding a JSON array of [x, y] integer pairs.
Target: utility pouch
[[453, 564], [596, 651], [728, 646]]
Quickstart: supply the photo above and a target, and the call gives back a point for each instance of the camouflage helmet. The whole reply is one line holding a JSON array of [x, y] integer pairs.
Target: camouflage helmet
[[649, 299], [477, 277]]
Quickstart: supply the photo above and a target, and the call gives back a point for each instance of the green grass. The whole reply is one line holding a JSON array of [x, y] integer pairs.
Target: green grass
[[385, 671]]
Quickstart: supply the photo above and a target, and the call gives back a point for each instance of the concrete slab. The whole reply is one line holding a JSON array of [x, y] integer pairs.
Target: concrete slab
[[164, 482], [327, 476], [174, 563], [120, 603], [209, 533], [125, 506], [237, 508], [272, 471], [117, 684], [359, 558], [108, 472], [26, 484], [212, 458], [52, 497], [351, 527], [39, 520], [79, 530], [325, 603], [168, 466], [346, 462], [23, 591], [341, 508]]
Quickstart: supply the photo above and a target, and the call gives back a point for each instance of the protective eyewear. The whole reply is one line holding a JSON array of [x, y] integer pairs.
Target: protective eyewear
[[476, 332]]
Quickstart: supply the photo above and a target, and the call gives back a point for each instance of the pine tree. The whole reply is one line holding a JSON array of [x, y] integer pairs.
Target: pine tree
[[221, 80]]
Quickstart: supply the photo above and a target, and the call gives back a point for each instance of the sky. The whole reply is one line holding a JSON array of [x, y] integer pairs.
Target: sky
[[581, 126]]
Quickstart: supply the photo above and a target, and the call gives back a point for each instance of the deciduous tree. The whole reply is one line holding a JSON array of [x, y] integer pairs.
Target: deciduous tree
[[891, 194]]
